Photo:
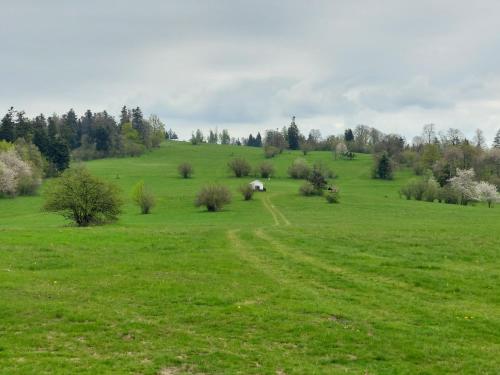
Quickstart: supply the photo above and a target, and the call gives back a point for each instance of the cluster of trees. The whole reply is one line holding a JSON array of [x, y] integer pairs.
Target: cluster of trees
[[93, 135], [446, 152], [214, 137], [462, 189]]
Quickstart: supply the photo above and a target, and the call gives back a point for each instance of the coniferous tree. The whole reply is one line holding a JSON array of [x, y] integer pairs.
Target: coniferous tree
[[293, 136], [225, 139], [348, 135], [59, 154], [383, 167], [68, 130], [23, 127], [251, 141], [124, 116], [7, 127], [258, 140], [52, 127], [496, 141], [40, 135]]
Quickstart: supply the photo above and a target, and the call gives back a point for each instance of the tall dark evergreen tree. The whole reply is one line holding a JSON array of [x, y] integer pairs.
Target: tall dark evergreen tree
[[124, 116], [251, 141], [69, 128], [23, 127], [496, 141], [348, 135], [52, 130], [383, 167], [258, 140], [293, 135], [40, 135], [59, 154], [7, 127]]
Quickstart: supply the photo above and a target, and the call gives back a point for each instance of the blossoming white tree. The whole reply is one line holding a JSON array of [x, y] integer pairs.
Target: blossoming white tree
[[487, 192], [16, 175], [464, 184]]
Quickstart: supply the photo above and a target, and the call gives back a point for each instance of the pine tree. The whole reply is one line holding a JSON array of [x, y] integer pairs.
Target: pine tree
[[40, 136], [68, 130], [496, 141], [53, 128], [124, 116], [251, 141], [225, 138], [258, 140], [383, 167], [293, 136], [7, 127], [23, 127], [348, 135]]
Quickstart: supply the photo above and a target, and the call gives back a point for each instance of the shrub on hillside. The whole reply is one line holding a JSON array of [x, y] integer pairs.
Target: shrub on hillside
[[307, 189], [318, 176], [213, 197], [266, 170], [83, 198], [299, 169], [185, 170], [17, 177], [143, 197], [421, 189], [333, 195], [271, 151], [448, 195], [247, 192], [240, 167]]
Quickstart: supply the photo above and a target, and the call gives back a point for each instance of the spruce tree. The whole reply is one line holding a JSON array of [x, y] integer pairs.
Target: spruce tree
[[293, 136], [124, 116], [383, 167], [40, 136], [496, 141], [7, 127], [348, 135], [258, 140]]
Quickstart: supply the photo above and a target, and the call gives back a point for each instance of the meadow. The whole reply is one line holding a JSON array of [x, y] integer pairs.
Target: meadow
[[282, 284]]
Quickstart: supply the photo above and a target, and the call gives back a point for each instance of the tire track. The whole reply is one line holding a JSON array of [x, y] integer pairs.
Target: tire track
[[279, 218]]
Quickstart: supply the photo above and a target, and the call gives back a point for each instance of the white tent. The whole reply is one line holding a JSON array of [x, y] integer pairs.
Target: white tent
[[257, 185]]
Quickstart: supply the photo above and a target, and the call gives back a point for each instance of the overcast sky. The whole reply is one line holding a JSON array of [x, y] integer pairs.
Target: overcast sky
[[251, 65]]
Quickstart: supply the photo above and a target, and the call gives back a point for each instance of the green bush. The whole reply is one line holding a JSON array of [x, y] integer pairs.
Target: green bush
[[307, 189], [271, 151], [449, 195], [185, 170], [143, 197], [319, 175], [421, 189], [213, 197], [333, 195], [240, 167], [299, 169], [83, 198], [266, 170], [247, 192]]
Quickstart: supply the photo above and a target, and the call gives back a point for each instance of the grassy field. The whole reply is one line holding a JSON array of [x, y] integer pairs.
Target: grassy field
[[282, 284]]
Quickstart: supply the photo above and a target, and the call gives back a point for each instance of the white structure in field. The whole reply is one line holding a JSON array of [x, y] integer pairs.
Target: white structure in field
[[257, 185]]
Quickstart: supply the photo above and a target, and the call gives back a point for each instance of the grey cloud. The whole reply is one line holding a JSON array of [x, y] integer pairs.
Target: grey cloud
[[395, 64]]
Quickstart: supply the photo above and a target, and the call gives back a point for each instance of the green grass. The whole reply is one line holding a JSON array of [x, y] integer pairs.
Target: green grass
[[282, 284]]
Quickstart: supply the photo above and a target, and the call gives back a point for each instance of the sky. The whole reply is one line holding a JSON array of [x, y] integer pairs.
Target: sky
[[251, 65]]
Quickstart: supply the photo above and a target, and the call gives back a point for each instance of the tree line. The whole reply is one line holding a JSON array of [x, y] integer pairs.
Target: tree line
[[90, 136]]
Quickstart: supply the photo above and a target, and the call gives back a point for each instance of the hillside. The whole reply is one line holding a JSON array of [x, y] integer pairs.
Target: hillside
[[283, 284]]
